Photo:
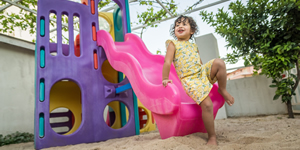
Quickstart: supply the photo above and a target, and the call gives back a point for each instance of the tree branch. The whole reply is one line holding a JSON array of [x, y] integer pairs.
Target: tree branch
[[141, 35], [253, 37], [153, 19], [191, 7], [155, 2], [255, 46], [258, 52]]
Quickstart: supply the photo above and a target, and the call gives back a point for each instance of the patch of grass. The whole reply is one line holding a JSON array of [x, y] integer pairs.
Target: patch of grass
[[279, 117], [15, 138]]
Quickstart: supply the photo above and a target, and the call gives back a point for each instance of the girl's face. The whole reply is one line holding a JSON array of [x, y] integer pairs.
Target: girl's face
[[183, 30]]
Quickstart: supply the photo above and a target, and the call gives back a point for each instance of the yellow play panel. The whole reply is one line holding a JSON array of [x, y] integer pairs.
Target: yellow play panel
[[67, 94]]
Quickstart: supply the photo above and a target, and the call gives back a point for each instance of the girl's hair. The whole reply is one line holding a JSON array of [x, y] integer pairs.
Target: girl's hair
[[191, 21]]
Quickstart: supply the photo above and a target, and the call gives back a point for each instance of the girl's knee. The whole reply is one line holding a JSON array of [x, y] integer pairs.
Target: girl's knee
[[219, 61], [207, 105]]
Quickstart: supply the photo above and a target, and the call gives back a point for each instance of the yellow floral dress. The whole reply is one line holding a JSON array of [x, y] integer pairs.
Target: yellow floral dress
[[194, 77]]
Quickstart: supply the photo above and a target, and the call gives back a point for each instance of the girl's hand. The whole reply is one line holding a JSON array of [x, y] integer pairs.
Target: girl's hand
[[166, 81]]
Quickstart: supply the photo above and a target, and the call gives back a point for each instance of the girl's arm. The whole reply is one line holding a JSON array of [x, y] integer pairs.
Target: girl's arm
[[167, 64]]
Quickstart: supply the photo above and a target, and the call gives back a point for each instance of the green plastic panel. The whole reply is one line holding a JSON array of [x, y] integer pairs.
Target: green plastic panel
[[42, 90], [42, 27], [42, 125], [42, 58]]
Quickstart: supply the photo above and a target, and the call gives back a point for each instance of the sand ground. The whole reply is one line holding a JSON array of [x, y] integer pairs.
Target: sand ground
[[275, 132]]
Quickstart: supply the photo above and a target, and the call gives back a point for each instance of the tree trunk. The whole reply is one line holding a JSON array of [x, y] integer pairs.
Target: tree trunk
[[289, 108], [289, 103], [141, 35]]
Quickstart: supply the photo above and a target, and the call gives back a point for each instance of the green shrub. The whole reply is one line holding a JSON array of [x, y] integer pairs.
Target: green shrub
[[16, 138]]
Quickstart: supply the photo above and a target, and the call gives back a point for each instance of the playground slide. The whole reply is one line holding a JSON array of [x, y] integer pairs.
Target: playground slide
[[174, 111], [144, 71]]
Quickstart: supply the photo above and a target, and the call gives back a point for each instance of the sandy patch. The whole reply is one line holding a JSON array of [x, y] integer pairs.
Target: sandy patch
[[274, 132]]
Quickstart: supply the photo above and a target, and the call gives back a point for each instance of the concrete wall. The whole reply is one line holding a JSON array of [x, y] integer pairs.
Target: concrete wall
[[208, 47], [253, 97], [16, 85], [208, 50]]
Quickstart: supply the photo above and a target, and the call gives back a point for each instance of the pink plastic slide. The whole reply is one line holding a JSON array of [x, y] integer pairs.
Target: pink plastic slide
[[175, 113]]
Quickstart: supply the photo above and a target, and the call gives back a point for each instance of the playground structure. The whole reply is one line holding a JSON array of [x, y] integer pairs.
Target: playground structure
[[175, 113], [77, 78], [117, 116], [146, 120]]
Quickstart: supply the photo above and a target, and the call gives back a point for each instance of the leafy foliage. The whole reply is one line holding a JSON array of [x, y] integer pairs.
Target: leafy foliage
[[266, 34], [27, 20], [15, 138], [103, 3], [150, 16], [24, 19]]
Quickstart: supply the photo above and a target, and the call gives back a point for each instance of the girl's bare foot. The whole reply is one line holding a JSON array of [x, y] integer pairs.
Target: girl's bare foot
[[228, 98], [212, 141]]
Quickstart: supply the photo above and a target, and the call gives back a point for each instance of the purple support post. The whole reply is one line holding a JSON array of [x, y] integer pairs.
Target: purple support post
[[122, 5]]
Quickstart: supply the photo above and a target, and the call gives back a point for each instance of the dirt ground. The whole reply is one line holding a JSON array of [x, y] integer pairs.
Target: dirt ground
[[275, 132]]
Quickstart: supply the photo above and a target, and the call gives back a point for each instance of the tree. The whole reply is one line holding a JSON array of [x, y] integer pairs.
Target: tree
[[27, 20], [149, 16], [24, 19], [266, 34]]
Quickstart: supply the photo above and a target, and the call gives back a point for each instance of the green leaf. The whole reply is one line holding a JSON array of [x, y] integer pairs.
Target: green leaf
[[287, 36], [16, 137], [285, 63], [272, 86], [276, 97], [246, 63], [294, 76], [291, 65]]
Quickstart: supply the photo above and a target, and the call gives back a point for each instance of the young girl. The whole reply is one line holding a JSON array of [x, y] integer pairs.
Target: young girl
[[196, 78]]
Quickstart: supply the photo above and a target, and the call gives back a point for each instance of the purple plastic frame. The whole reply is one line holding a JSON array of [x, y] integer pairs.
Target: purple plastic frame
[[65, 65]]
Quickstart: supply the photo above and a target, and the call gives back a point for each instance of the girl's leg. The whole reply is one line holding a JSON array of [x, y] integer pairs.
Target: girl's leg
[[218, 70], [208, 120]]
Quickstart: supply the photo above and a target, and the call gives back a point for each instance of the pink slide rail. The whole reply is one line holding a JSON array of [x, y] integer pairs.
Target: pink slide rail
[[175, 113]]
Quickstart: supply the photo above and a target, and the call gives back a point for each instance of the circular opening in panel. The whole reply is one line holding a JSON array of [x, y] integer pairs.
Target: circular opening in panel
[[61, 120], [65, 107], [109, 116], [143, 117], [116, 114], [109, 73]]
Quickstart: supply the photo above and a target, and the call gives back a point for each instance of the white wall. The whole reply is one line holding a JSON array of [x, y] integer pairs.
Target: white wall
[[253, 97], [208, 50], [16, 85], [208, 47]]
